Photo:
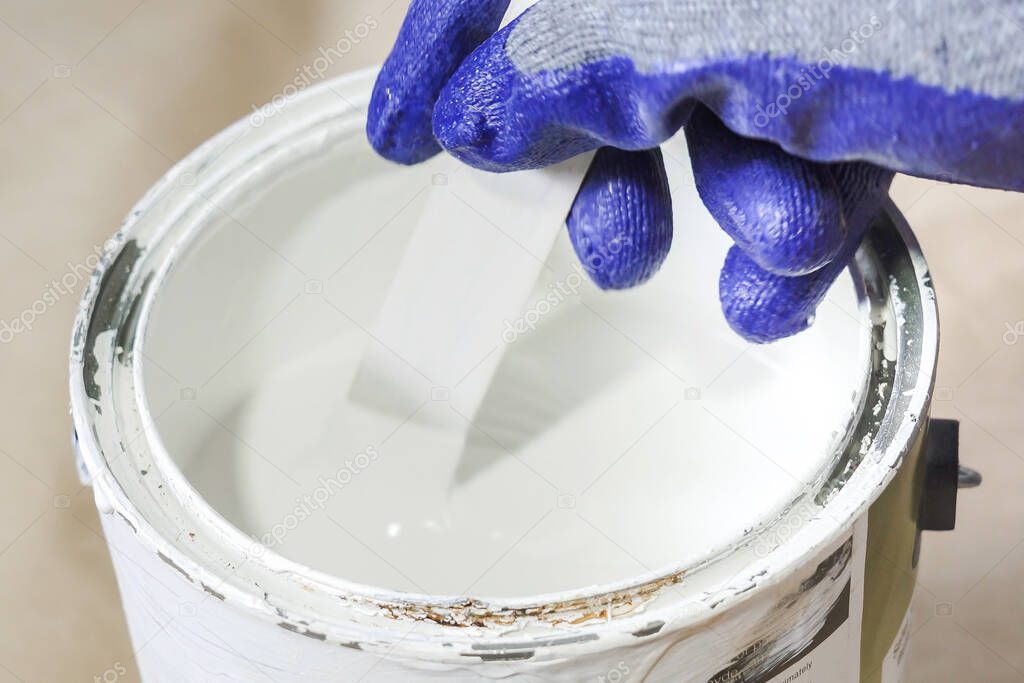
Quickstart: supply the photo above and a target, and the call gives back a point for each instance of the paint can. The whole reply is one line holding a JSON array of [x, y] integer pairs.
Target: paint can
[[213, 317]]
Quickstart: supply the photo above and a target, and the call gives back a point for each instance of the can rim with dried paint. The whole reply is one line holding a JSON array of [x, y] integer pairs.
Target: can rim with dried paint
[[136, 481]]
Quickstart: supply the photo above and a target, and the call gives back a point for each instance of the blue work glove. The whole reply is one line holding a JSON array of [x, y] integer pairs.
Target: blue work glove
[[797, 114]]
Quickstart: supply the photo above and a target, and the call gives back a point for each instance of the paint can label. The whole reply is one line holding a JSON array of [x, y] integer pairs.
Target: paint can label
[[826, 651], [815, 634]]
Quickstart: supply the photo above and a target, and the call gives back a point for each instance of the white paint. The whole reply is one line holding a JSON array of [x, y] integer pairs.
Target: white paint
[[193, 583], [622, 432]]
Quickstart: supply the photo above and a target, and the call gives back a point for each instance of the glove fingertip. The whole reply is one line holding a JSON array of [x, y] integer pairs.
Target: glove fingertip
[[399, 130], [470, 112], [785, 212], [495, 117], [400, 115], [764, 307], [621, 222]]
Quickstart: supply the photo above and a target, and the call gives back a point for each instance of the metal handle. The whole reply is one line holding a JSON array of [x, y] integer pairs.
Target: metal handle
[[968, 478]]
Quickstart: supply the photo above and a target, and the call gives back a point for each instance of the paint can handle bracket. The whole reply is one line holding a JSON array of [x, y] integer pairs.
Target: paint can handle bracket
[[943, 476]]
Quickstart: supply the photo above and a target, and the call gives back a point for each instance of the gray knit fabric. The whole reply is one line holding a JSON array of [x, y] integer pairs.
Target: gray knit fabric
[[977, 45]]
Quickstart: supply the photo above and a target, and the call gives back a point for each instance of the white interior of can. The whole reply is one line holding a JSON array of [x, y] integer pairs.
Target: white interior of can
[[624, 432]]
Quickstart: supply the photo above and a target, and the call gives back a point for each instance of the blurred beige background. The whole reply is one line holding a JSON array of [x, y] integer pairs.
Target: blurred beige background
[[99, 98]]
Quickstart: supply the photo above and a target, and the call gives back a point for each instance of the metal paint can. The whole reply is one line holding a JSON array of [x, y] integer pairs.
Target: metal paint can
[[818, 590]]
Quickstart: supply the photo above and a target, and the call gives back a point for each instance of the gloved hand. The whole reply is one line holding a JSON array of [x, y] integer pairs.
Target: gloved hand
[[797, 114]]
